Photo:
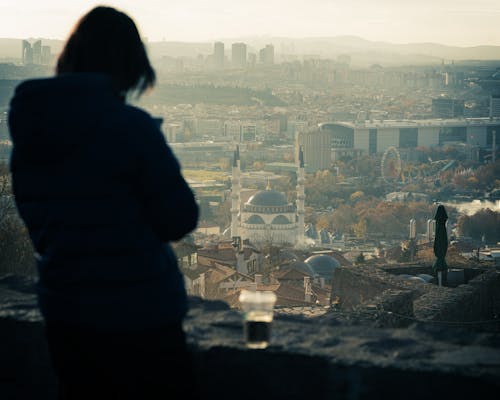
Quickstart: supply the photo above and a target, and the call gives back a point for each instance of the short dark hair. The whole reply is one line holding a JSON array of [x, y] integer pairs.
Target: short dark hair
[[107, 40]]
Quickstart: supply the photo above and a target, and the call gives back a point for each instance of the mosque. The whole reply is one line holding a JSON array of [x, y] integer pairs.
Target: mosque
[[267, 216]]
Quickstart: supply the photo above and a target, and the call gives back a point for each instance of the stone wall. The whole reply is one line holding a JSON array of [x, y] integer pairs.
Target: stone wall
[[373, 294], [473, 305], [361, 284], [411, 269], [309, 358]]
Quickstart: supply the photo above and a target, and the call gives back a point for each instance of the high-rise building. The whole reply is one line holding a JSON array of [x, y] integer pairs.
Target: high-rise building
[[27, 53], [266, 55], [316, 145], [46, 55], [239, 55], [219, 55], [37, 52]]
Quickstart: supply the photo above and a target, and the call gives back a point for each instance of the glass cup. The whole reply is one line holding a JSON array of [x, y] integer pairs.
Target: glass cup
[[258, 307]]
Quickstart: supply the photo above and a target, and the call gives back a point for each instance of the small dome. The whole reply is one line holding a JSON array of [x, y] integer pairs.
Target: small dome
[[323, 265], [268, 198], [280, 220], [426, 277], [301, 266], [255, 219]]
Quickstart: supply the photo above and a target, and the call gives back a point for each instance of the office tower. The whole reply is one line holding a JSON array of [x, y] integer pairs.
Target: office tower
[[27, 53], [37, 52], [239, 55], [266, 55], [219, 55], [316, 147], [46, 55]]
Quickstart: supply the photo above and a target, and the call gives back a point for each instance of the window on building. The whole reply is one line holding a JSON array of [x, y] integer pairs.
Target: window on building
[[453, 134], [408, 138], [372, 141]]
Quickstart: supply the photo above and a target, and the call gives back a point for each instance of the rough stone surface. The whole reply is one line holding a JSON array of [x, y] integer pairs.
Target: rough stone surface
[[325, 354]]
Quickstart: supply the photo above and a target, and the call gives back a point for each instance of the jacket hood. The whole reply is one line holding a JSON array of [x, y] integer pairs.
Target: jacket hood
[[51, 117]]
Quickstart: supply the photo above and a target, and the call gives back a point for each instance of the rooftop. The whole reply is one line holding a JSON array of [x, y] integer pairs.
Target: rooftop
[[369, 124]]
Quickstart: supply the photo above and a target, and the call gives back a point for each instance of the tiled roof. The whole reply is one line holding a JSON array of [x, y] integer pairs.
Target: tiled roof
[[193, 273]]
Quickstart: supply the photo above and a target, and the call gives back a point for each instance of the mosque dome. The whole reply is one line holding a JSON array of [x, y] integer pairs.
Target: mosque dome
[[268, 198], [323, 265]]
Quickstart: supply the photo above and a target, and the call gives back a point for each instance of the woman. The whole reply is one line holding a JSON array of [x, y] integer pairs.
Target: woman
[[102, 194]]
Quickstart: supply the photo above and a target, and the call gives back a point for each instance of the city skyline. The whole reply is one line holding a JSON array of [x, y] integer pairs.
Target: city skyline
[[454, 23]]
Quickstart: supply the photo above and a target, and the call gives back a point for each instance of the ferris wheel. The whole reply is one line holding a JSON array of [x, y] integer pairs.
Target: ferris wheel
[[391, 165]]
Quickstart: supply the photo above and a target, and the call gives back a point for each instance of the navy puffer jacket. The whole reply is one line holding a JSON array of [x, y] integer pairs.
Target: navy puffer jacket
[[101, 194]]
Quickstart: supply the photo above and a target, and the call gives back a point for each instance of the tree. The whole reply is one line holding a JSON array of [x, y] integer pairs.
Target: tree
[[258, 165], [325, 221], [360, 229], [357, 195], [222, 215], [343, 218]]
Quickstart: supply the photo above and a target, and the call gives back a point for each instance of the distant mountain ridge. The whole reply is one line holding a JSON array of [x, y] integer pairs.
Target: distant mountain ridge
[[324, 47]]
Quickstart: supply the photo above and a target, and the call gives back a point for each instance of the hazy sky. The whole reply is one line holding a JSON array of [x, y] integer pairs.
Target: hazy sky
[[452, 22]]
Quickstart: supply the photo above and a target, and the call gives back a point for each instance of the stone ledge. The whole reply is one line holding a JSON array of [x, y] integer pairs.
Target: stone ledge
[[321, 357]]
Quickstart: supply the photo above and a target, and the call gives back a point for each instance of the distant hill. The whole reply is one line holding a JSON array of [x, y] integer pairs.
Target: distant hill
[[331, 47], [362, 50]]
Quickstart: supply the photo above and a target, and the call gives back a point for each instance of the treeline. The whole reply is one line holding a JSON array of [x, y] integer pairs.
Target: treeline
[[371, 217], [483, 224], [211, 94], [16, 250]]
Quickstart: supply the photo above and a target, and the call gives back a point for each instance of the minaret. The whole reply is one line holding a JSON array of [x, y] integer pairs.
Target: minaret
[[235, 194], [301, 196]]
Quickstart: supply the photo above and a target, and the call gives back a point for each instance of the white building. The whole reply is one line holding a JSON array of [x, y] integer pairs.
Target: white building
[[267, 216], [376, 136]]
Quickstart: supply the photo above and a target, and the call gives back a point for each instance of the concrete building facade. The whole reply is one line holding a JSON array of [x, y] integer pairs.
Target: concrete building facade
[[376, 136]]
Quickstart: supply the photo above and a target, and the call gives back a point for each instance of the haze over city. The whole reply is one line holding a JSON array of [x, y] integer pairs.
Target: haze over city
[[344, 157], [454, 23]]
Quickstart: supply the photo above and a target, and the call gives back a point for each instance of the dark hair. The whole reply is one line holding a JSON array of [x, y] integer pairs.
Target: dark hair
[[106, 40]]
